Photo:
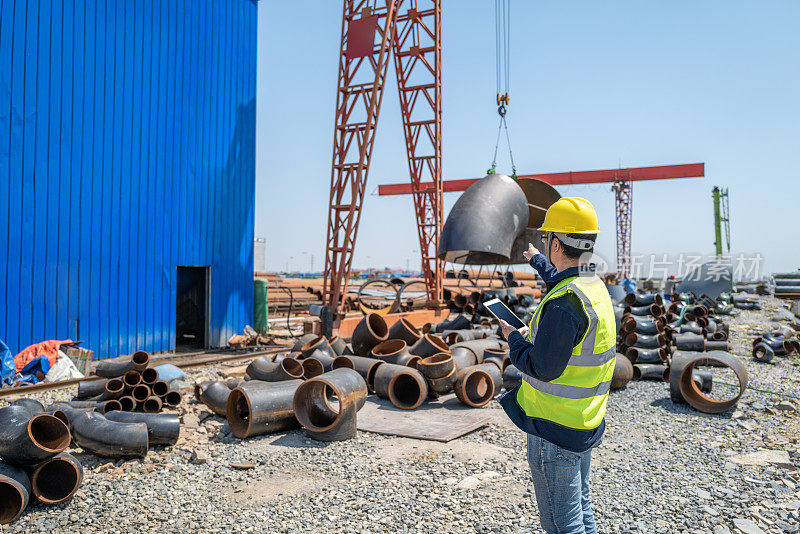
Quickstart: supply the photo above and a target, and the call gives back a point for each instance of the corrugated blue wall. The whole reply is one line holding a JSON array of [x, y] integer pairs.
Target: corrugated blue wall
[[127, 140]]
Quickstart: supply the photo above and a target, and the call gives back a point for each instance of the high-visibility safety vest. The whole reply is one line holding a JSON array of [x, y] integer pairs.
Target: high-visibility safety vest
[[576, 399]]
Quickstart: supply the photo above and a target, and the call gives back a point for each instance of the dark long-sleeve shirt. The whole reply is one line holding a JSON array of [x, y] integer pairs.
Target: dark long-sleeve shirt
[[561, 327]]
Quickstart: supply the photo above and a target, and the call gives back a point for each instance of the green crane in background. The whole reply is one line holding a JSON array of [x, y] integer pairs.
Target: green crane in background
[[721, 218]]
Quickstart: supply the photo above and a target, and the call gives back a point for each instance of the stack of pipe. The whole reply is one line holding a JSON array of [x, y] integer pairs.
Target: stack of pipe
[[32, 459], [643, 336], [131, 384], [778, 341], [786, 284]]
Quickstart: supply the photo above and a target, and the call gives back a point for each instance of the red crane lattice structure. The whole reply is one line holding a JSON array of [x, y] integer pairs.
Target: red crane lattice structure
[[371, 30], [621, 179]]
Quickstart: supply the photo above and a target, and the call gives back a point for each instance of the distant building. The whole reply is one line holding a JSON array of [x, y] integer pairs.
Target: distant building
[[128, 129], [259, 255]]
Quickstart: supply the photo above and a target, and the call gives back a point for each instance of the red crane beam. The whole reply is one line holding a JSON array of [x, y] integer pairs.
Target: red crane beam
[[630, 174]]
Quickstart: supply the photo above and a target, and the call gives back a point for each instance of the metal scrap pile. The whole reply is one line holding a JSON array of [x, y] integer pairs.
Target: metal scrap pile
[[322, 383]]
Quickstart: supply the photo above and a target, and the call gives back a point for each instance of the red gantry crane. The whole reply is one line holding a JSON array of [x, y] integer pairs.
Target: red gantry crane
[[372, 30], [410, 30]]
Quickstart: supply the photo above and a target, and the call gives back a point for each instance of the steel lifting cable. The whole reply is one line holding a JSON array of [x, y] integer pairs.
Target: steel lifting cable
[[503, 62]]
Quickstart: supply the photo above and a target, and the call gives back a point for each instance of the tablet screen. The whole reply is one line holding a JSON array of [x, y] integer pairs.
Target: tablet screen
[[501, 311]]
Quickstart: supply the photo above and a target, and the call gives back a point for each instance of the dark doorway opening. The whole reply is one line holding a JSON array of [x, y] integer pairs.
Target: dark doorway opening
[[190, 317]]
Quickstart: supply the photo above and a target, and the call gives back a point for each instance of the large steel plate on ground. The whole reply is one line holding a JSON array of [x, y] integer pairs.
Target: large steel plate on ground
[[443, 419]]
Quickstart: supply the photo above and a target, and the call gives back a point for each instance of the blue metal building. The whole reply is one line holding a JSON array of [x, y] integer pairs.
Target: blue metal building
[[127, 140]]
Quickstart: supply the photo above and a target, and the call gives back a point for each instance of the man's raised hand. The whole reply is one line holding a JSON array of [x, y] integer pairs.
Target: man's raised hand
[[531, 252]]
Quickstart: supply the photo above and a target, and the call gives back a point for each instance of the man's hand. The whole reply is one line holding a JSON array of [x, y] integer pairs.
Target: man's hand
[[531, 252], [507, 329]]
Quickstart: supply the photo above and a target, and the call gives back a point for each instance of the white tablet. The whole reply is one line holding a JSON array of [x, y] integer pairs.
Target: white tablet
[[497, 308]]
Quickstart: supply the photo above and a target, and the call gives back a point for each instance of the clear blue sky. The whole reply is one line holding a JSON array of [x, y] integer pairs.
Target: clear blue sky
[[594, 85]]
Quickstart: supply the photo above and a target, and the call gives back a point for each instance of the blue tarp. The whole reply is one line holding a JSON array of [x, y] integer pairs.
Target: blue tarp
[[7, 367]]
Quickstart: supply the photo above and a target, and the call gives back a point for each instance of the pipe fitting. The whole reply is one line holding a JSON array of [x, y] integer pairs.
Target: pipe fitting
[[27, 439], [644, 371], [115, 368], [684, 389], [443, 385], [268, 371], [320, 344], [403, 329], [370, 331], [366, 367], [323, 421], [406, 388], [215, 396], [111, 439], [512, 377], [90, 388], [474, 386], [15, 492], [436, 366], [428, 345], [391, 351], [623, 372], [57, 479], [312, 367], [162, 428], [256, 408], [498, 357]]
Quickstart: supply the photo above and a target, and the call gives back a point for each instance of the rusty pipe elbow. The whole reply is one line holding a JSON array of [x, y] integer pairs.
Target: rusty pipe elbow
[[113, 369], [111, 439], [15, 492], [318, 416], [437, 366], [319, 343], [391, 351], [162, 428], [403, 329], [370, 331], [268, 371], [428, 345], [366, 367], [215, 396], [90, 388], [57, 479], [474, 386], [27, 439]]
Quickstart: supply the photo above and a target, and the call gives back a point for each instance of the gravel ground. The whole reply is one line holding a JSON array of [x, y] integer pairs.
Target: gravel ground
[[661, 468]]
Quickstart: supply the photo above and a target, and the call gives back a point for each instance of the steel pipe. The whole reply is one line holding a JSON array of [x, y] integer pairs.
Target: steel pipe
[[199, 387], [689, 342], [637, 355], [337, 344], [498, 357], [477, 346], [459, 323], [322, 420], [151, 404], [302, 340], [132, 378], [264, 369], [474, 386], [406, 388], [370, 331], [391, 351], [57, 479], [115, 368], [442, 385], [215, 396], [763, 352], [623, 372], [703, 379], [512, 377], [428, 345], [114, 388], [90, 388], [162, 428], [317, 344], [683, 387], [403, 329], [692, 327], [366, 367], [635, 299], [643, 371], [32, 405], [436, 366], [27, 438], [111, 439], [633, 323], [127, 403], [256, 408], [159, 388], [149, 376], [643, 341], [652, 309], [173, 397], [463, 357], [15, 492], [141, 393], [312, 367]]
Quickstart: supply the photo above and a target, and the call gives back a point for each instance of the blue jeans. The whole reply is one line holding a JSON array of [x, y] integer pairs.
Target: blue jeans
[[561, 482]]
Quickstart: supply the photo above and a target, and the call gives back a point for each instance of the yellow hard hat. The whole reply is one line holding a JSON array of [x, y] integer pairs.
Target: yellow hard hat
[[571, 215]]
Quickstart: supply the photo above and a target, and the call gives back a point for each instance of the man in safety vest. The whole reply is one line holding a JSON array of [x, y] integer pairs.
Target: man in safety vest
[[567, 360]]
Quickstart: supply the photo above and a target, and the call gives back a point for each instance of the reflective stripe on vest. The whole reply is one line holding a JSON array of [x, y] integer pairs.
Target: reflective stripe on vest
[[578, 398]]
